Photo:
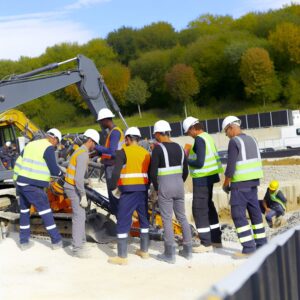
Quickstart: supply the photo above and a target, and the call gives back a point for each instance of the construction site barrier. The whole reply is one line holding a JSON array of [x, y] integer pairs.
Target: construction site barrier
[[272, 273], [250, 121]]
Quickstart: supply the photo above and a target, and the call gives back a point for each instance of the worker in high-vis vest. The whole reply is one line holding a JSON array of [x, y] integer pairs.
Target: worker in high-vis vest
[[205, 167], [130, 177], [274, 205], [243, 171], [75, 191], [32, 172], [114, 141], [168, 172]]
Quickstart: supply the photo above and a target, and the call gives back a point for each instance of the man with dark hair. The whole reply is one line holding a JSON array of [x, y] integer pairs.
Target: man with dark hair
[[130, 175], [205, 167], [114, 142]]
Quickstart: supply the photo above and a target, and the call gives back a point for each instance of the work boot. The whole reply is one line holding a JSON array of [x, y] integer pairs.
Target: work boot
[[217, 245], [144, 246], [169, 254], [202, 249], [57, 246], [240, 255], [186, 252], [273, 222], [26, 246], [121, 259]]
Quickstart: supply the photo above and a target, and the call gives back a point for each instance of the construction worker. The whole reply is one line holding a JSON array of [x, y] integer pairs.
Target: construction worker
[[244, 169], [32, 174], [131, 176], [168, 172], [274, 204], [74, 189], [205, 166], [114, 141]]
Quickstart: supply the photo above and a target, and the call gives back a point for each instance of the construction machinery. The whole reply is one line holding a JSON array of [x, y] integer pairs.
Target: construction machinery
[[19, 89]]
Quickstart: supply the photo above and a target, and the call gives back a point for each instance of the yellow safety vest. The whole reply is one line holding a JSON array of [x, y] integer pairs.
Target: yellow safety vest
[[135, 171], [212, 163], [33, 164], [106, 156], [71, 170], [17, 167]]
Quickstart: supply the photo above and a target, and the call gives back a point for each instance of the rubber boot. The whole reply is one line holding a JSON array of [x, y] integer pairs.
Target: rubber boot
[[169, 254], [186, 252], [144, 246], [121, 259]]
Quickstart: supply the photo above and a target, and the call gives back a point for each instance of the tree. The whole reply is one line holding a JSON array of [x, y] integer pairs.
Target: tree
[[292, 89], [137, 93], [182, 84], [124, 42], [286, 41], [258, 75], [116, 77]]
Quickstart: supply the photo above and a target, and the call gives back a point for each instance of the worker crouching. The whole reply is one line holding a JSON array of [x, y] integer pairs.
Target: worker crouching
[[75, 191], [130, 174], [274, 205]]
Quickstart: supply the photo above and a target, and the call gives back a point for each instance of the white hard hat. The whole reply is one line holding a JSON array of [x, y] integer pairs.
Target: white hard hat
[[92, 134], [8, 144], [133, 131], [105, 113], [55, 132], [230, 120], [188, 122], [161, 126]]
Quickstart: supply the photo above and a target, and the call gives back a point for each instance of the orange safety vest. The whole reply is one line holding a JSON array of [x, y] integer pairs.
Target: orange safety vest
[[135, 171], [71, 170], [107, 143]]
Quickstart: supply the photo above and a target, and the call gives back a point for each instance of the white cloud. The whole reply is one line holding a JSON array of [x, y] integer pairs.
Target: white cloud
[[31, 34], [260, 5], [84, 3], [30, 37]]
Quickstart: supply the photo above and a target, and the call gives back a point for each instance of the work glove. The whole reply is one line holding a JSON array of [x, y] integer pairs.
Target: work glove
[[84, 201], [153, 198], [116, 193], [226, 188]]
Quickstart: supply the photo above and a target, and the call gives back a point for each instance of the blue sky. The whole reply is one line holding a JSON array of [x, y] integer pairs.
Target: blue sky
[[27, 27]]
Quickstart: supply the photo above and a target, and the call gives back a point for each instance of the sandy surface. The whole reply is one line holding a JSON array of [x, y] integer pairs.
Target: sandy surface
[[41, 273]]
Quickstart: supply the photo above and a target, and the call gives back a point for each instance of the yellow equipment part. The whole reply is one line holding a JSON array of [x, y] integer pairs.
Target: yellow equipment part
[[17, 118]]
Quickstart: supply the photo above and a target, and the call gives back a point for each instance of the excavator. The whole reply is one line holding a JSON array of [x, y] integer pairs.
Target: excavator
[[19, 89]]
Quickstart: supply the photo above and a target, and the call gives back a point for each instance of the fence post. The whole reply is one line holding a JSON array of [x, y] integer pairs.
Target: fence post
[[150, 132], [258, 120], [271, 119]]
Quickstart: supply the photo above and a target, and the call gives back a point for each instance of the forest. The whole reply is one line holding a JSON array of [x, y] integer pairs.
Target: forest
[[216, 64]]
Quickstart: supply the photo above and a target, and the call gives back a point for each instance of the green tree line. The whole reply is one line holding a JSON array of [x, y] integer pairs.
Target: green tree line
[[216, 62]]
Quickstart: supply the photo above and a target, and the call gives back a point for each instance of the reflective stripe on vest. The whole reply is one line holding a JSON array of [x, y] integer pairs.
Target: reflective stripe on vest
[[167, 170], [274, 198], [17, 167], [106, 156], [247, 169], [71, 170], [33, 164], [135, 171], [212, 163]]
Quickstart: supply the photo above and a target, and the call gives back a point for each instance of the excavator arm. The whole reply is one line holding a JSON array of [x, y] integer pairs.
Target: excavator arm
[[18, 118], [19, 89]]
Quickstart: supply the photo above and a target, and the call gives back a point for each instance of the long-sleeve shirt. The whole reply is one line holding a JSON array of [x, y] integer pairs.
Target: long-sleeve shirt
[[120, 161], [233, 152], [114, 140], [158, 161], [49, 157], [272, 204], [82, 161], [200, 148]]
